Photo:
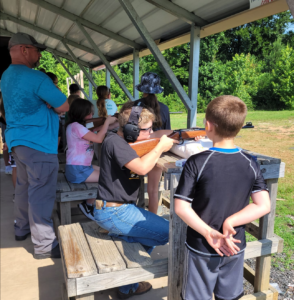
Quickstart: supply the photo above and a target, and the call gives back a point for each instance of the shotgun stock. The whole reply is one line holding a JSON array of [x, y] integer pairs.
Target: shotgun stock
[[145, 146]]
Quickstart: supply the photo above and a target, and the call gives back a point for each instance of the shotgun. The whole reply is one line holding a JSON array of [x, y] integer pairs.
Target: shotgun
[[145, 146]]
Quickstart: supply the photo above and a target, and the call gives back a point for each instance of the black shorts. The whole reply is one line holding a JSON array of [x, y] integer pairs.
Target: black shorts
[[204, 275]]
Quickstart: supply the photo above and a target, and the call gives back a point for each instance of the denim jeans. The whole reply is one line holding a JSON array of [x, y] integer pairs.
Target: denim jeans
[[134, 225]]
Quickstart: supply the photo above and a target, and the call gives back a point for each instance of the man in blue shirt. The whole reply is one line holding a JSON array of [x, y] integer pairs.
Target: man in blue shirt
[[32, 104]]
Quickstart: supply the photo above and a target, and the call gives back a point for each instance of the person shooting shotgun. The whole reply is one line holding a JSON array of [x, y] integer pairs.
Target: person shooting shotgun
[[119, 183]]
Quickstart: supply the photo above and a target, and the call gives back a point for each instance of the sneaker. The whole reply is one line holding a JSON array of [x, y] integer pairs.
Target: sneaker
[[13, 196], [8, 170], [87, 210], [143, 288], [54, 253]]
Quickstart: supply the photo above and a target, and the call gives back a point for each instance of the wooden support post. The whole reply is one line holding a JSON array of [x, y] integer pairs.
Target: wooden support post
[[65, 213], [177, 238], [266, 230]]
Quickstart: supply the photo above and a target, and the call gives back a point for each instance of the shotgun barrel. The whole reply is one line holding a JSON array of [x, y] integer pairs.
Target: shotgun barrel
[[145, 146]]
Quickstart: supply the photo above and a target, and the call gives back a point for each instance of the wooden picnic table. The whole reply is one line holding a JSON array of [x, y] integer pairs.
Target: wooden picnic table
[[268, 242]]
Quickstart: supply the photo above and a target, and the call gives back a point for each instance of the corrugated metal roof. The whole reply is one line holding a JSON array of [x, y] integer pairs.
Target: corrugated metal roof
[[108, 14]]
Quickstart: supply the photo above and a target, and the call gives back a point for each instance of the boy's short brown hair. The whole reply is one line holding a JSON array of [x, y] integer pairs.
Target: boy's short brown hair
[[124, 115], [228, 113]]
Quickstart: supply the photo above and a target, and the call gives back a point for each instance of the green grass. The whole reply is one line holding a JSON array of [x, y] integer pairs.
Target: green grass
[[273, 136], [180, 120]]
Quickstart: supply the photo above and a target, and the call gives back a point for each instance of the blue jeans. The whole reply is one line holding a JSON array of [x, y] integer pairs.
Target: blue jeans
[[134, 225]]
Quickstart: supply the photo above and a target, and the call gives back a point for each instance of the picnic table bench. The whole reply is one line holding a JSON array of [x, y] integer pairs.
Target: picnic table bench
[[92, 261]]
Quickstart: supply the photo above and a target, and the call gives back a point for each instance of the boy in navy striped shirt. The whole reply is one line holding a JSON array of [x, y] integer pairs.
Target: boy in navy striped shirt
[[213, 200]]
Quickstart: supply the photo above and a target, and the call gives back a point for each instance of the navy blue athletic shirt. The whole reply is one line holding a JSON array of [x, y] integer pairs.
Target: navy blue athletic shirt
[[218, 182]]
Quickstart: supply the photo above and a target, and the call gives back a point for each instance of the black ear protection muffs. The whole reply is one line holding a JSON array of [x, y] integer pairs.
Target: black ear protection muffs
[[131, 130]]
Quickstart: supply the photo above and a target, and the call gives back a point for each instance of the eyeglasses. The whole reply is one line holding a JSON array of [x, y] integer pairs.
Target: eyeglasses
[[146, 129], [204, 123]]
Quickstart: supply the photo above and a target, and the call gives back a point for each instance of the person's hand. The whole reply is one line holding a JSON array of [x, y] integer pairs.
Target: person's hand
[[110, 120], [230, 242], [166, 143], [197, 138], [48, 105], [5, 147], [216, 240]]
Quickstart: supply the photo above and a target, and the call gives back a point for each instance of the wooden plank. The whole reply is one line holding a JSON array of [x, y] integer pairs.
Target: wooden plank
[[264, 295], [77, 186], [177, 237], [166, 202], [253, 229], [78, 195], [134, 254], [69, 283], [89, 296], [273, 171], [104, 251], [105, 281], [77, 255], [263, 159], [62, 185], [266, 230], [65, 213], [249, 275], [263, 270], [261, 248], [91, 185]]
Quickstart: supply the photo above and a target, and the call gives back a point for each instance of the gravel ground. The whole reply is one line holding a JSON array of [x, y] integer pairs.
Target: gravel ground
[[279, 275]]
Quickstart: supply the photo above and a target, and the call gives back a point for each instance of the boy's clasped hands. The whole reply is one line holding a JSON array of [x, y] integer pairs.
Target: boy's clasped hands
[[223, 243]]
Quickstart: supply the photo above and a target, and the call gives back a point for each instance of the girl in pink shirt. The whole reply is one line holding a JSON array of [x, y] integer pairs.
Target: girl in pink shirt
[[80, 151]]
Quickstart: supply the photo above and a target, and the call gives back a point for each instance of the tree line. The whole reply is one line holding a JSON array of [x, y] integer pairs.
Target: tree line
[[254, 61]]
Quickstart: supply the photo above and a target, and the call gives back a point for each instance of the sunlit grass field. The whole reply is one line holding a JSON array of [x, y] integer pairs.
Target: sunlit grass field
[[273, 135]]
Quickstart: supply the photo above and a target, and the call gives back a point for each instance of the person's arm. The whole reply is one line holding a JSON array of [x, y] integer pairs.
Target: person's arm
[[214, 238], [184, 196], [145, 164], [261, 206], [63, 108], [53, 96], [99, 137]]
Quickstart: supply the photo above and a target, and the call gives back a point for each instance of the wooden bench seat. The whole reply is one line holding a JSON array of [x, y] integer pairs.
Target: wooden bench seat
[[93, 261]]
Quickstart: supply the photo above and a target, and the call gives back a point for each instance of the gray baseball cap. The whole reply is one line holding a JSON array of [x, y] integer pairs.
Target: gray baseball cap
[[21, 38]]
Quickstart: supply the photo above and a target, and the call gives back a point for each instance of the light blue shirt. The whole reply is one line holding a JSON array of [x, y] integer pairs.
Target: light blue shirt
[[111, 107], [29, 121]]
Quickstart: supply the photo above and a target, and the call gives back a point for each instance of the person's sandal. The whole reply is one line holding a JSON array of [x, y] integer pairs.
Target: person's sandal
[[143, 288]]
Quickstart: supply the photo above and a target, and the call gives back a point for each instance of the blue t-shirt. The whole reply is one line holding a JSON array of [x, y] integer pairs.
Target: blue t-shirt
[[29, 121]]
